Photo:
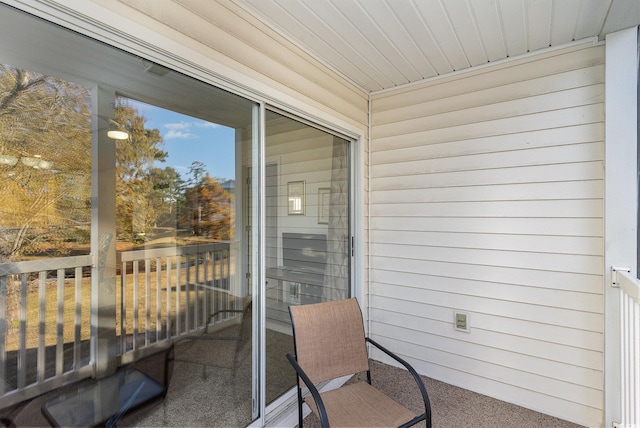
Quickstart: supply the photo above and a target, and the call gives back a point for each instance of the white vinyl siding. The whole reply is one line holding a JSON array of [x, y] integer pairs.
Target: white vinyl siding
[[486, 192]]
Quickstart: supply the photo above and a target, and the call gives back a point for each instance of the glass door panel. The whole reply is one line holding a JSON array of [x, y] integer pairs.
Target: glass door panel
[[182, 246], [307, 232]]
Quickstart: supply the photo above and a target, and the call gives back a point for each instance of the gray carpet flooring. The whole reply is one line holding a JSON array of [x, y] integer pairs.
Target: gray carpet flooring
[[452, 407], [209, 388], [212, 380]]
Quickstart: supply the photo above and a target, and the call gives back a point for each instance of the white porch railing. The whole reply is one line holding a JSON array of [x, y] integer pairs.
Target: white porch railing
[[170, 292], [36, 355], [630, 346], [45, 311]]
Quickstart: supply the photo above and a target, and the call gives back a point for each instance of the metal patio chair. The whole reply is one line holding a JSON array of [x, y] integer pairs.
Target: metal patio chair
[[227, 348], [329, 342]]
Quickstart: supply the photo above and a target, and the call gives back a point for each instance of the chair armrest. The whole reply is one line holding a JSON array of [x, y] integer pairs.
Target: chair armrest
[[416, 377], [324, 419]]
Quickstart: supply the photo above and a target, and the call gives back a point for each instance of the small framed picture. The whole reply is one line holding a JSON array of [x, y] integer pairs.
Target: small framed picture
[[324, 198], [295, 197]]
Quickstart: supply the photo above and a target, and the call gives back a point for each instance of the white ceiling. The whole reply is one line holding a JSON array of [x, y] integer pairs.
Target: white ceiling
[[379, 44]]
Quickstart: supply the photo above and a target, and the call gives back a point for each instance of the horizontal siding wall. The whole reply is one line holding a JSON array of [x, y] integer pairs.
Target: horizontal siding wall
[[486, 193]]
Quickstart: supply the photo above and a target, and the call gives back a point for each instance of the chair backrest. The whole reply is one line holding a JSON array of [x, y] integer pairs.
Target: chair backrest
[[329, 339]]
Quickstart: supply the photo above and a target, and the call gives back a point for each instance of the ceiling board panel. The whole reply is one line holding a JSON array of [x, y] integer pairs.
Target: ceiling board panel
[[514, 23], [305, 30], [439, 25], [487, 16], [353, 41], [412, 20], [372, 31], [564, 19], [539, 24], [397, 37], [379, 44], [591, 16], [622, 14], [467, 31]]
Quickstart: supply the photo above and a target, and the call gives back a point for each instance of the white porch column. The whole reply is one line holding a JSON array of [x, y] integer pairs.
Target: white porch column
[[621, 195], [103, 236]]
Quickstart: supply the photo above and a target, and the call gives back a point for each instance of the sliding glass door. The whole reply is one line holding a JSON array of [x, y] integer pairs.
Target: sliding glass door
[[308, 236], [172, 209], [180, 219]]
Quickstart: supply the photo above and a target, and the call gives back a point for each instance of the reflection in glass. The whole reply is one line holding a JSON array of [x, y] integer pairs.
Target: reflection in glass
[[175, 240], [175, 178], [45, 166], [307, 231], [176, 196]]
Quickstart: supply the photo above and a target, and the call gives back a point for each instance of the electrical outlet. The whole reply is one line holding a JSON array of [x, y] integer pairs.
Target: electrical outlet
[[461, 321]]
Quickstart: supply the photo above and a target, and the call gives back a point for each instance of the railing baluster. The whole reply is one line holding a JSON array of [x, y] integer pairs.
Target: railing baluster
[[169, 285], [123, 307], [3, 331], [178, 293], [22, 349], [147, 300], [158, 298], [208, 307], [136, 304], [60, 324], [42, 322], [197, 287], [216, 278], [634, 363], [188, 314], [77, 321]]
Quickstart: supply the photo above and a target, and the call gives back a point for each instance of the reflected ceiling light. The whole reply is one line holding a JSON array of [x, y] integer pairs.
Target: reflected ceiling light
[[30, 162], [45, 164], [116, 131], [36, 162], [116, 134], [8, 160]]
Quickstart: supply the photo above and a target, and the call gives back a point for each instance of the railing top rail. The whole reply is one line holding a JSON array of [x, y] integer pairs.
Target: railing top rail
[[128, 256], [45, 264], [628, 283]]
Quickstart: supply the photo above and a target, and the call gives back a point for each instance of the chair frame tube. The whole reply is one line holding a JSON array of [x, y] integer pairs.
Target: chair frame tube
[[425, 397], [324, 419]]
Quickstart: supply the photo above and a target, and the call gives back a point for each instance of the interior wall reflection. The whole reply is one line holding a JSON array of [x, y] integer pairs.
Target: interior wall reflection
[[308, 231]]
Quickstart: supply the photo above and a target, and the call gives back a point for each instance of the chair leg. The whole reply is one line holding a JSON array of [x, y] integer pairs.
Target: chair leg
[[300, 419]]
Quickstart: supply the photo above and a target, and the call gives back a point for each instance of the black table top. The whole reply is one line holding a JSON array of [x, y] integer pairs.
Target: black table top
[[103, 401]]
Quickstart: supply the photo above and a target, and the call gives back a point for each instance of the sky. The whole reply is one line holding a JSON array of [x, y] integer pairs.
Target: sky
[[187, 139]]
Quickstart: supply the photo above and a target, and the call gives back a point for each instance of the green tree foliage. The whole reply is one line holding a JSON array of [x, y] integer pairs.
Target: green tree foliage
[[150, 197], [136, 211], [167, 197], [45, 164]]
